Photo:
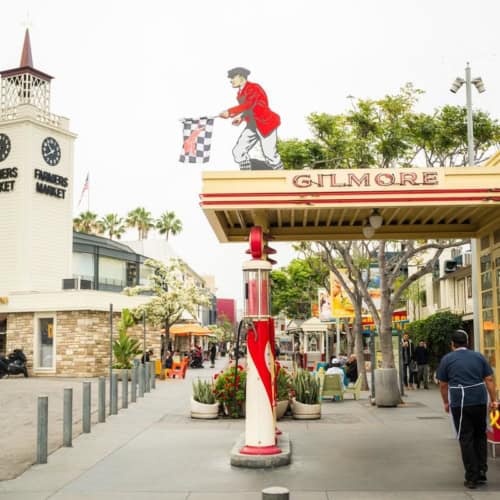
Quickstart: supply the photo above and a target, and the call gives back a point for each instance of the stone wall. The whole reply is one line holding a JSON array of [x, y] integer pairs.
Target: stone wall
[[82, 341]]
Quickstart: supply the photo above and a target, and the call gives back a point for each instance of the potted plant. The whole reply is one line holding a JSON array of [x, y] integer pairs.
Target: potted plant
[[230, 390], [125, 348], [203, 402], [283, 386], [306, 403]]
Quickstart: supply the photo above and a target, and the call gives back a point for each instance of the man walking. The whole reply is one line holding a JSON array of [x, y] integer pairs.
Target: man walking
[[262, 123], [422, 359], [465, 380]]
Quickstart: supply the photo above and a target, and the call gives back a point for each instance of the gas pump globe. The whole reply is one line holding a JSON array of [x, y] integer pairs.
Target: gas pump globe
[[260, 431]]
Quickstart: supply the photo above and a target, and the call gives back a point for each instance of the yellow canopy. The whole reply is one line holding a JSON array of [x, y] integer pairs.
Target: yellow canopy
[[183, 330]]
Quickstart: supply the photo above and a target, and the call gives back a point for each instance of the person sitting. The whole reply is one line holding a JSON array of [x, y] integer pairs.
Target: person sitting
[[335, 369]]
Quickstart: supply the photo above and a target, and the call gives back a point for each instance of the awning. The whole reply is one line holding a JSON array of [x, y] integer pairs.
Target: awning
[[184, 330]]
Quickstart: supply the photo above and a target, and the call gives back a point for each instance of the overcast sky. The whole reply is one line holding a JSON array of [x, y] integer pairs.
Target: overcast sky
[[126, 71]]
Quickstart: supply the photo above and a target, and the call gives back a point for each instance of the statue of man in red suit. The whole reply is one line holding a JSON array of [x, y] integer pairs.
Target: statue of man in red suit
[[261, 122]]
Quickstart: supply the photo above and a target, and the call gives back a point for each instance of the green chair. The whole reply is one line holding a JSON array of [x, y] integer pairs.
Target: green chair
[[332, 387], [355, 389]]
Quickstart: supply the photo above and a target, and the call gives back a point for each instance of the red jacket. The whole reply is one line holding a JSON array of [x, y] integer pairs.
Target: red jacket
[[254, 105]]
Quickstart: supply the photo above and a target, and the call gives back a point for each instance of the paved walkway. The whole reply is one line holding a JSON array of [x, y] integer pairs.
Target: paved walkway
[[154, 450]]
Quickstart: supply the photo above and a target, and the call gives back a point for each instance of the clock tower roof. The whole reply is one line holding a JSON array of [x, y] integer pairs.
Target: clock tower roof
[[26, 65]]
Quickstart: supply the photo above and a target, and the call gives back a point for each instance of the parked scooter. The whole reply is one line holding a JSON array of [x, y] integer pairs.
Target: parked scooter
[[13, 364]]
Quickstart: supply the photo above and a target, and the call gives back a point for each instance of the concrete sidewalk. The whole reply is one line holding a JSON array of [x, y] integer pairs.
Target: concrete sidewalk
[[154, 450]]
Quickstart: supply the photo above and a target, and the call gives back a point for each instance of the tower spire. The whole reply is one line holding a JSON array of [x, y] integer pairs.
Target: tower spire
[[26, 57]]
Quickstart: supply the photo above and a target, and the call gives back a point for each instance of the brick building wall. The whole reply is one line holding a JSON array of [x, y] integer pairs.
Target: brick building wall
[[81, 338]]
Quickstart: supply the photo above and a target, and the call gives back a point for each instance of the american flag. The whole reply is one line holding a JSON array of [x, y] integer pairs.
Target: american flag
[[85, 188]]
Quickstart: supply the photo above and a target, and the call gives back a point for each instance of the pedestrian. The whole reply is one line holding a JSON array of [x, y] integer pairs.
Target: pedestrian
[[147, 356], [422, 359], [409, 362], [277, 350], [213, 352], [465, 380], [261, 122], [352, 368]]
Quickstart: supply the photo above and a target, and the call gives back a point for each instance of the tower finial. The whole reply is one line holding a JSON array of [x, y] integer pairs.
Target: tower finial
[[26, 57]]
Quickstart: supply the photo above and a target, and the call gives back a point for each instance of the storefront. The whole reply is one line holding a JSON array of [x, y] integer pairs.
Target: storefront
[[414, 203]]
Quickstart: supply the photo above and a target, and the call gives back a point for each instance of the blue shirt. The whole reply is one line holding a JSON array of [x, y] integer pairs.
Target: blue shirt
[[464, 367]]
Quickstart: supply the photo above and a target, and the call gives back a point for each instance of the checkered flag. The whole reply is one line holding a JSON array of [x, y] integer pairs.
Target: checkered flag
[[197, 139]]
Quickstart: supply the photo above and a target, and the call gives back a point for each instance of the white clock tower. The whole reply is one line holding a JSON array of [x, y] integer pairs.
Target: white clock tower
[[36, 183]]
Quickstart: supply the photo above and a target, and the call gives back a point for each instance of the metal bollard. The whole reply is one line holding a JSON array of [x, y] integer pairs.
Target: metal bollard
[[142, 369], [133, 389], [86, 407], [42, 429], [275, 493], [125, 388], [68, 417], [148, 376], [102, 400], [153, 375], [114, 394]]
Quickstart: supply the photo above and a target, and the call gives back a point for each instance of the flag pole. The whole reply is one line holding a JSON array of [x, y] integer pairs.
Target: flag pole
[[88, 191]]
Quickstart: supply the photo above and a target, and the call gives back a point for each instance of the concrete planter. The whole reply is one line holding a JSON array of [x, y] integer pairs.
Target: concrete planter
[[302, 411], [118, 371], [281, 407], [387, 387], [202, 410]]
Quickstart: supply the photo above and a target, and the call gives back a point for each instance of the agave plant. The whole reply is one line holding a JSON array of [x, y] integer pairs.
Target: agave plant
[[306, 387], [203, 392], [125, 348]]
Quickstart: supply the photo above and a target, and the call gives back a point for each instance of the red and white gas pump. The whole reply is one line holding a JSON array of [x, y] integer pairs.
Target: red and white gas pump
[[260, 434]]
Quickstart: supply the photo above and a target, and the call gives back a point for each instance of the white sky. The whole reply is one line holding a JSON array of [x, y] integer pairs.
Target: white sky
[[126, 71]]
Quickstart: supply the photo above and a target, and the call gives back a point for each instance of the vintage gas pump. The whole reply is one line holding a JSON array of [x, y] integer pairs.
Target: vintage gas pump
[[260, 437]]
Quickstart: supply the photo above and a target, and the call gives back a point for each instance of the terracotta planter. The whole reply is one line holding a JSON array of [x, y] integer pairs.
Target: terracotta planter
[[281, 407], [202, 410], [302, 411]]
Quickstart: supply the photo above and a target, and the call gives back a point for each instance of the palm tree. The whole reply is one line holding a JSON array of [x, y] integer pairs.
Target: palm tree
[[141, 219], [86, 222], [113, 225], [168, 223]]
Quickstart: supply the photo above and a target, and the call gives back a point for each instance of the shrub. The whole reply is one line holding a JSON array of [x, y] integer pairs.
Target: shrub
[[306, 387], [284, 384], [203, 392], [230, 390], [125, 348]]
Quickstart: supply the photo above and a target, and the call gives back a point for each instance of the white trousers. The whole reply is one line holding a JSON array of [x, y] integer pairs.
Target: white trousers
[[249, 138]]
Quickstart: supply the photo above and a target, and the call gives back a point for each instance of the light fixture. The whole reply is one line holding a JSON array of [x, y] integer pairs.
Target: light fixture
[[368, 230], [375, 219], [479, 84], [455, 86]]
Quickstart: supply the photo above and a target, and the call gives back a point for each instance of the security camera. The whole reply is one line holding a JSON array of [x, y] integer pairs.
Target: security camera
[[455, 86], [478, 82]]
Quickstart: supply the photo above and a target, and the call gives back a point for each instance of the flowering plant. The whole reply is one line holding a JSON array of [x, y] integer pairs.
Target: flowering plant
[[283, 384], [230, 389]]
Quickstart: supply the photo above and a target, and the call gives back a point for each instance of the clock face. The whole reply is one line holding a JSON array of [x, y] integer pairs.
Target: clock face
[[4, 146], [51, 151]]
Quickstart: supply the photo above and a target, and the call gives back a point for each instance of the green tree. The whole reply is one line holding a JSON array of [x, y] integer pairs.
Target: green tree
[[295, 287], [173, 293], [436, 330], [87, 222], [142, 220], [168, 223], [113, 226]]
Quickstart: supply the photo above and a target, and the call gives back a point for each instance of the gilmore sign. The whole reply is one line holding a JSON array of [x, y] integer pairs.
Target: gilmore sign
[[366, 178]]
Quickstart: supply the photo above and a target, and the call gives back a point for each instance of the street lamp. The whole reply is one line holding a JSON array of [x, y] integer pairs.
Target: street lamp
[[478, 83], [455, 87]]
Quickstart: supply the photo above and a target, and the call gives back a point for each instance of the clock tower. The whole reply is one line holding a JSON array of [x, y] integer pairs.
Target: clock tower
[[36, 183]]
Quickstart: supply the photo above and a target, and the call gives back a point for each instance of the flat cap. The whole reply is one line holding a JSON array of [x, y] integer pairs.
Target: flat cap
[[238, 71]]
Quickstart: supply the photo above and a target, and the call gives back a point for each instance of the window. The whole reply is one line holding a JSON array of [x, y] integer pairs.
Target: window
[[469, 287], [112, 274]]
